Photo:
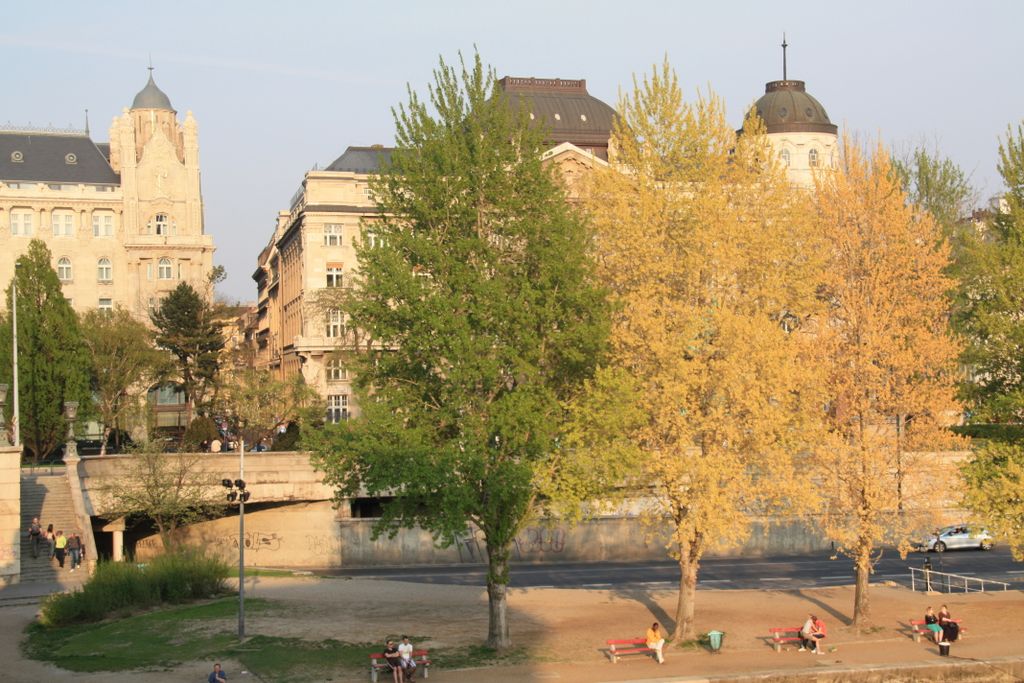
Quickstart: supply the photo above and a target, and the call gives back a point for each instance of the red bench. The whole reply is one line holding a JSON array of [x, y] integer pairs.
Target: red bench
[[630, 646], [918, 628], [378, 663], [785, 634]]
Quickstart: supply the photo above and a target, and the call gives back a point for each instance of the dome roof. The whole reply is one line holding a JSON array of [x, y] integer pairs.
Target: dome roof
[[786, 107], [152, 97]]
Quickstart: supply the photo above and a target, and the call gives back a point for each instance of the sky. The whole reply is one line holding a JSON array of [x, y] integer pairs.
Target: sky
[[278, 87]]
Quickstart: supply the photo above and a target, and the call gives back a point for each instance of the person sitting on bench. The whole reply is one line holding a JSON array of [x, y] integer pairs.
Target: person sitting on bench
[[813, 631], [656, 641]]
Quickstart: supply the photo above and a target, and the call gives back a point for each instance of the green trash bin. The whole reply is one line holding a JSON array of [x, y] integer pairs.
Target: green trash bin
[[715, 640]]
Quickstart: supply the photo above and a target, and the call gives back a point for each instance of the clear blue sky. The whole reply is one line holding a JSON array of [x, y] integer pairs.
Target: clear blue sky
[[279, 86]]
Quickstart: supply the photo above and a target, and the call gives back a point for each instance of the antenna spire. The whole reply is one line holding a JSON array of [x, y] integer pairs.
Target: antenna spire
[[87, 122], [150, 67], [784, 46]]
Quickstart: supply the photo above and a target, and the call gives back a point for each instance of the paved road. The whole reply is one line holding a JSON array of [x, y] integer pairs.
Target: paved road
[[764, 572]]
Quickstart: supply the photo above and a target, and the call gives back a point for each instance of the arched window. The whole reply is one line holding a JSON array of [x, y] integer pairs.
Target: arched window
[[784, 155], [812, 158], [64, 269], [104, 271], [161, 224], [164, 271]]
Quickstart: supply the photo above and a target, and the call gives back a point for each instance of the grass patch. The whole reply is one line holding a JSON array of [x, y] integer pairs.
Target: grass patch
[[477, 655], [270, 572], [159, 639]]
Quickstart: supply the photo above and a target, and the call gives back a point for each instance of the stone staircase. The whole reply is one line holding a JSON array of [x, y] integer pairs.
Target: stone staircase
[[46, 495]]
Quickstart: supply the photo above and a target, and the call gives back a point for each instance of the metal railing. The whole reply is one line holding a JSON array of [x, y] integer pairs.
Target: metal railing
[[942, 582]]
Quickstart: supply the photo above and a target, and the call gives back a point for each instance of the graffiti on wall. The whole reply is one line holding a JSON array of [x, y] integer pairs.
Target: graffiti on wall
[[532, 542], [323, 546]]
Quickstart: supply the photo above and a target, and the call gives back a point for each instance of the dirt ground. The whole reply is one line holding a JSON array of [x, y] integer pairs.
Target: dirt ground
[[570, 627]]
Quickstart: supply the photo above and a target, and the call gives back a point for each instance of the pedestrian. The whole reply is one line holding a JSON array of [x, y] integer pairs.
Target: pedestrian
[[656, 641], [394, 660], [50, 537], [60, 544], [75, 550], [215, 446], [35, 536], [407, 661], [217, 675]]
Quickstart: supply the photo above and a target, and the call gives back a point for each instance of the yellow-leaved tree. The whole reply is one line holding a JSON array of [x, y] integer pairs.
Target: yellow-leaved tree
[[711, 260], [891, 359]]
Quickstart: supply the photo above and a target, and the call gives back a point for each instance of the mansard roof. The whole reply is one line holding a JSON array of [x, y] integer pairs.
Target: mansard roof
[[362, 159], [569, 112], [41, 156]]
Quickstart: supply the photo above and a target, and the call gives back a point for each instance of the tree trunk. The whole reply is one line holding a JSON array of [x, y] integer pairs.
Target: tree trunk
[[689, 563], [862, 571], [497, 586]]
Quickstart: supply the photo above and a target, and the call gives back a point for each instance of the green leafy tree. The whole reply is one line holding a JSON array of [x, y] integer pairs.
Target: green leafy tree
[[186, 325], [480, 321], [53, 366], [940, 187], [989, 307], [994, 492], [125, 363], [258, 403], [170, 489]]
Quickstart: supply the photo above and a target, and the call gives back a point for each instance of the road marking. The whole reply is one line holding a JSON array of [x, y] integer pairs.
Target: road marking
[[837, 576], [1016, 571], [714, 581], [596, 585], [786, 578]]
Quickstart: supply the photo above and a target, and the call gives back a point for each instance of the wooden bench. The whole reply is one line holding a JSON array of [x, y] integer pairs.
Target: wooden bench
[[918, 628], [378, 663], [785, 634], [630, 646]]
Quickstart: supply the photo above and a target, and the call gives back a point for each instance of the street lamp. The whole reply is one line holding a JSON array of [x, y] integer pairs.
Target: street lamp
[[237, 492], [16, 417], [71, 414]]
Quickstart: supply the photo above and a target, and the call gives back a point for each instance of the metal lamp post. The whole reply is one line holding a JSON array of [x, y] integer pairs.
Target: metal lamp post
[[71, 414], [16, 417], [236, 491]]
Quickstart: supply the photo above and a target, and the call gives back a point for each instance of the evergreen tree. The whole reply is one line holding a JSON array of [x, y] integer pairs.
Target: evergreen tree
[[186, 326], [53, 366], [480, 317]]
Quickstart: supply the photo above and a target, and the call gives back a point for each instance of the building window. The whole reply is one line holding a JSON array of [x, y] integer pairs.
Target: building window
[[337, 408], [332, 235], [784, 155], [164, 270], [336, 372], [64, 269], [334, 275], [104, 271], [335, 327], [161, 224], [21, 223], [102, 224], [373, 239], [63, 223], [812, 158], [106, 304]]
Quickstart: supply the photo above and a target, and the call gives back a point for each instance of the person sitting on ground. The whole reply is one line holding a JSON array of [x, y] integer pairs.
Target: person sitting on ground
[[656, 641], [407, 662], [217, 676], [393, 660], [812, 631], [931, 622]]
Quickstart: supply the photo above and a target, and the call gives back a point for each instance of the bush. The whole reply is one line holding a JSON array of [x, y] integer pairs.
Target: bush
[[120, 587], [202, 429], [1009, 433]]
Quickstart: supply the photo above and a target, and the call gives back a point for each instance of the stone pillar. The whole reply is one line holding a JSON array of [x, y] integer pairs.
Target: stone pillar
[[10, 515], [71, 460], [117, 529]]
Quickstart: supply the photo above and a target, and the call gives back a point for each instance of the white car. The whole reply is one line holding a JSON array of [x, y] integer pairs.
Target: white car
[[957, 538]]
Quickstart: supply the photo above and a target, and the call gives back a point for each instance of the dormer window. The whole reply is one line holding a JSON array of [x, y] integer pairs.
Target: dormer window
[[70, 159], [17, 157]]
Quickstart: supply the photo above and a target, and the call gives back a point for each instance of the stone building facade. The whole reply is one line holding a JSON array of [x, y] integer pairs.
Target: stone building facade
[[123, 220]]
